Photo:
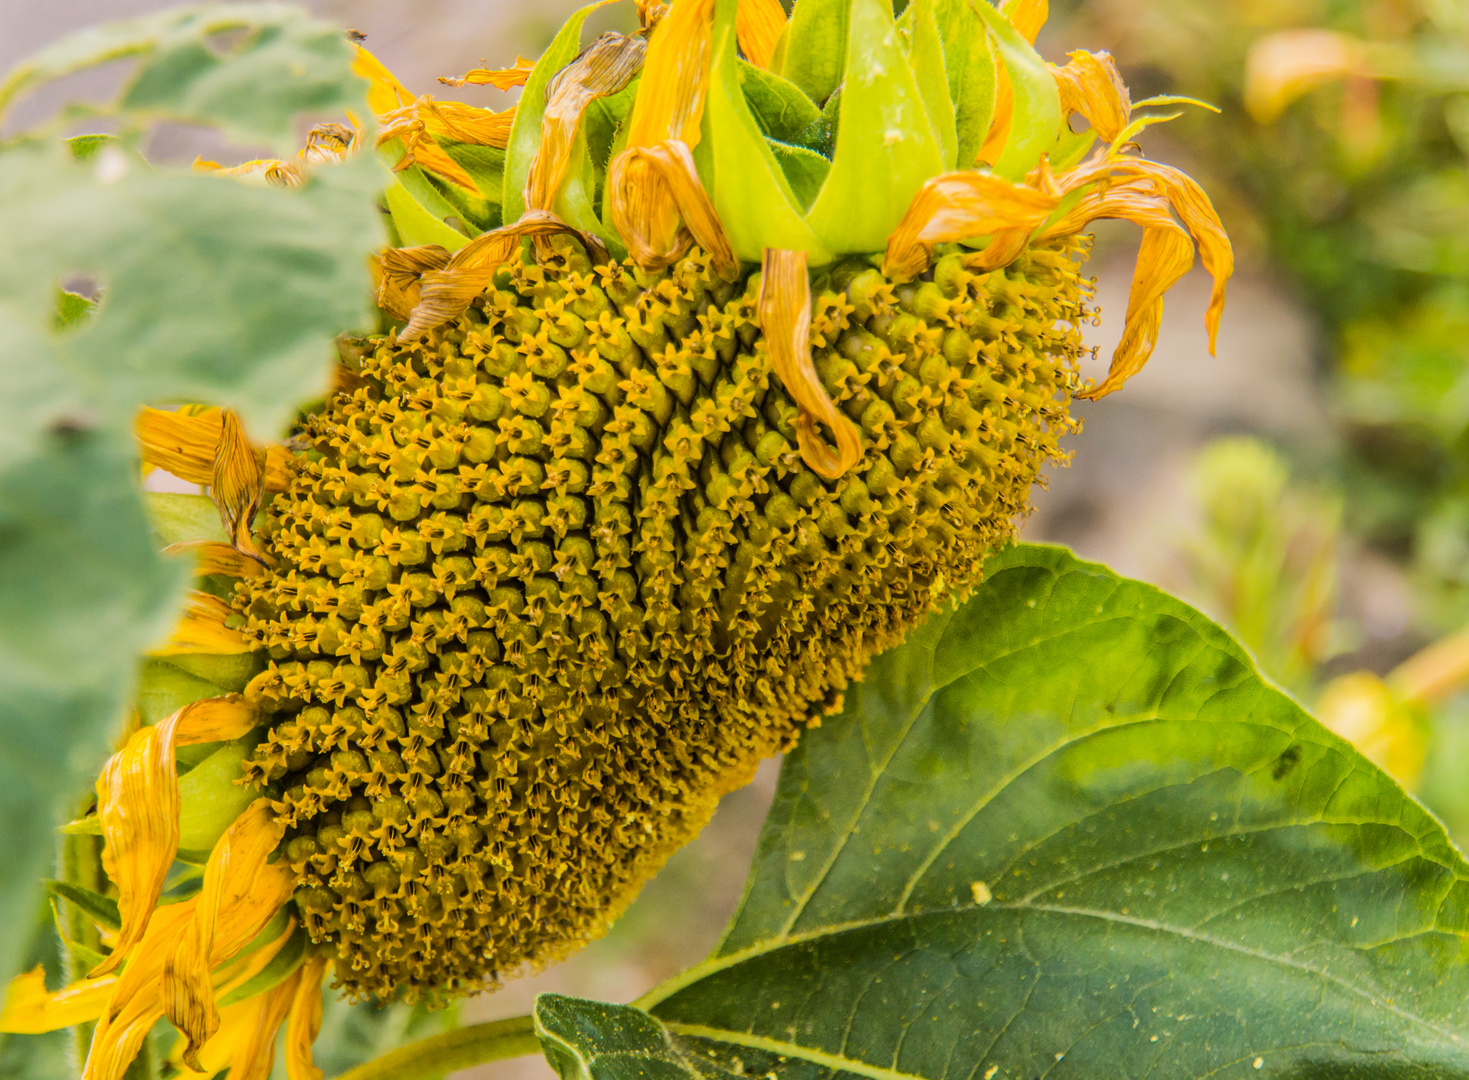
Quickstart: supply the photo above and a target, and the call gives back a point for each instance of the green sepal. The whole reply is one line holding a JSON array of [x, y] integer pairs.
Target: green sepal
[[229, 671], [576, 202], [1071, 147], [813, 49], [751, 194], [1037, 120], [176, 517], [211, 797], [525, 132], [72, 308], [163, 688], [87, 956], [418, 209], [485, 165], [926, 58], [100, 909], [969, 62], [885, 147], [474, 211], [805, 170], [780, 107], [280, 968]]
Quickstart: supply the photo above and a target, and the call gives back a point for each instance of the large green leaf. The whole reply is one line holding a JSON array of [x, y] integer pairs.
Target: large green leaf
[[1067, 830], [213, 289]]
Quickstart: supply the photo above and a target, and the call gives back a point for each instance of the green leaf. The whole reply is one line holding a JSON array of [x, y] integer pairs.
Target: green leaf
[[750, 192], [779, 106], [525, 132], [98, 907], [926, 58], [1068, 830], [815, 46], [253, 87], [592, 1040], [1037, 103], [970, 64], [885, 146], [214, 290]]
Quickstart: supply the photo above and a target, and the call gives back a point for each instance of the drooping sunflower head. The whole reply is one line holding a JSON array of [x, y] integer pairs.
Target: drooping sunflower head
[[706, 373]]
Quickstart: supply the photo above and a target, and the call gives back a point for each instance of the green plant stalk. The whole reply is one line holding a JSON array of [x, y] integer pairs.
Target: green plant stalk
[[451, 1051], [81, 864]]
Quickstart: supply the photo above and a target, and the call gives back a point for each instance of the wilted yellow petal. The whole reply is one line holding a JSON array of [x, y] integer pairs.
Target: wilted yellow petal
[[218, 719], [271, 170], [444, 294], [669, 107], [958, 206], [1027, 16], [644, 180], [499, 78], [415, 122], [1091, 85], [304, 1022], [398, 272], [136, 1002], [185, 443], [1281, 67], [329, 142], [138, 806], [758, 26], [212, 557], [241, 894], [31, 1009], [784, 311], [1165, 256], [607, 67], [385, 93], [999, 132], [237, 482], [202, 629]]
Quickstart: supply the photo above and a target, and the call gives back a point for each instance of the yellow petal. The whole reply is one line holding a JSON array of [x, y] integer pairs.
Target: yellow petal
[[271, 170], [1365, 711], [643, 182], [499, 78], [1091, 85], [607, 67], [1027, 16], [784, 311], [758, 26], [304, 1022], [219, 719], [237, 482], [1429, 676], [31, 1009], [245, 1042], [212, 557], [185, 443], [444, 294], [1281, 67], [138, 806], [398, 272], [422, 120], [136, 1002], [959, 206], [1165, 256], [202, 629], [385, 93], [669, 106], [999, 132], [241, 894]]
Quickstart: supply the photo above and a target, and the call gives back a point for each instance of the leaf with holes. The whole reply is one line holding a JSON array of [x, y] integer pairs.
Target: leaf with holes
[[1067, 830]]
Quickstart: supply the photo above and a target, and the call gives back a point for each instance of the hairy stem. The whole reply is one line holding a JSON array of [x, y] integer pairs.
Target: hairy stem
[[451, 1051]]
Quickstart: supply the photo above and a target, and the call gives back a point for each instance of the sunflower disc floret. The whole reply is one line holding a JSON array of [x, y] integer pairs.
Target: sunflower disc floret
[[560, 578]]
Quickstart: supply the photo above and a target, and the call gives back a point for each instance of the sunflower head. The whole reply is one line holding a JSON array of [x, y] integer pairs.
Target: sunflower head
[[707, 371]]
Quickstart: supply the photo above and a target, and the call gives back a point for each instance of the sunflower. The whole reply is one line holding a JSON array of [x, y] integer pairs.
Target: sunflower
[[705, 373]]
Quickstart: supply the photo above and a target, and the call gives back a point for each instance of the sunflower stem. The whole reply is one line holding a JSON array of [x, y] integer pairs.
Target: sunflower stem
[[452, 1051]]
